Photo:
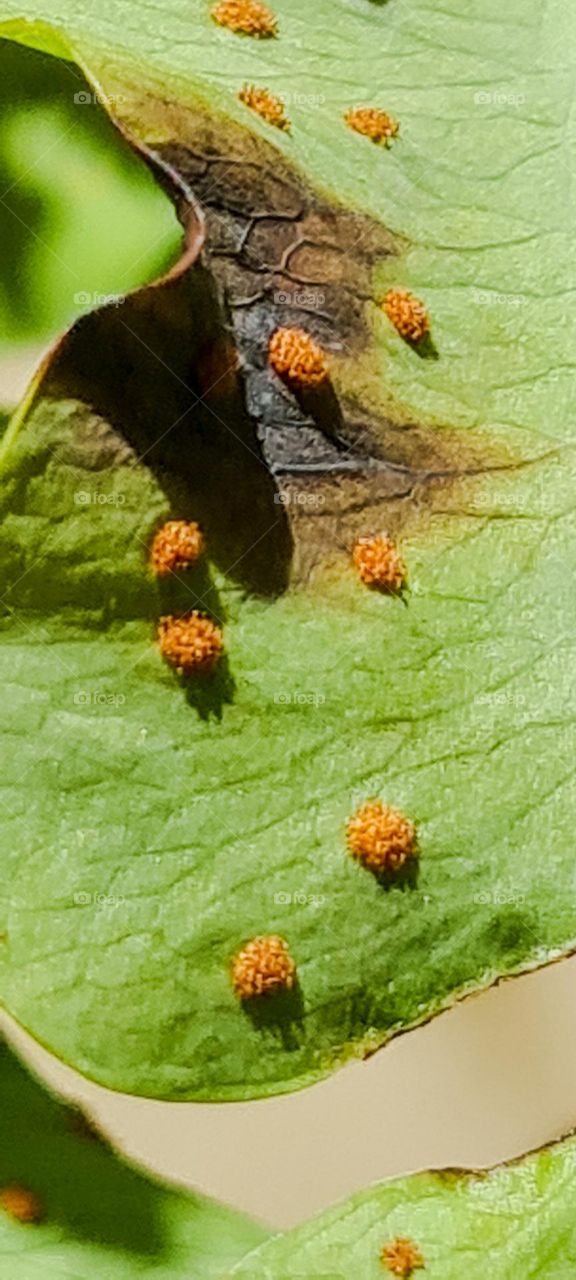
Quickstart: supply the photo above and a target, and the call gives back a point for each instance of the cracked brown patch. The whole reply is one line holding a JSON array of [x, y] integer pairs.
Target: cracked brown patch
[[276, 254]]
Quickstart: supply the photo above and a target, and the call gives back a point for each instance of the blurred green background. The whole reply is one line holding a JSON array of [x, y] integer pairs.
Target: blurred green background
[[81, 218]]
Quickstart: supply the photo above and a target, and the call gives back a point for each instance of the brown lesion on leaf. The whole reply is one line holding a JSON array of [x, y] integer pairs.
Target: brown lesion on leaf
[[82, 1126], [271, 253]]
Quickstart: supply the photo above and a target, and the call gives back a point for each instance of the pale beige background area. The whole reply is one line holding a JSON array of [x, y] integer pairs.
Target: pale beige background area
[[16, 370], [490, 1079]]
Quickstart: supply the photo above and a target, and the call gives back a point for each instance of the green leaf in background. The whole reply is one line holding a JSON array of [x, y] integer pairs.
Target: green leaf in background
[[99, 1216], [152, 829], [514, 1220], [80, 218]]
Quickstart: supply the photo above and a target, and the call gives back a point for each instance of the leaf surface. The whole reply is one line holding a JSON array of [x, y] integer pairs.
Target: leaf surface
[[515, 1220], [152, 829], [99, 1215]]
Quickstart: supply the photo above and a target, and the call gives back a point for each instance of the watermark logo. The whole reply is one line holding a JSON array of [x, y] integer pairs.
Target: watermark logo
[[84, 98], [499, 98], [88, 497], [304, 100], [300, 899], [504, 501], [85, 299], [99, 699], [299, 498], [500, 699], [83, 899], [501, 897], [299, 298], [491, 298], [300, 699]]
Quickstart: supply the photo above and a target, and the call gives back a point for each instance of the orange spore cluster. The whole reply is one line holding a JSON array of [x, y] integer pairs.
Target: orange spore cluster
[[246, 17], [263, 967], [408, 315], [21, 1204], [265, 104], [192, 643], [297, 359], [381, 838], [402, 1258], [177, 545], [379, 563], [373, 123]]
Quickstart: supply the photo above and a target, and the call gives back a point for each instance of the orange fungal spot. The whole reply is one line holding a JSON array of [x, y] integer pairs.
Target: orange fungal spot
[[21, 1204], [373, 123], [297, 359], [402, 1258], [192, 643], [263, 967], [381, 838], [265, 104], [177, 545], [408, 315], [379, 563], [246, 17]]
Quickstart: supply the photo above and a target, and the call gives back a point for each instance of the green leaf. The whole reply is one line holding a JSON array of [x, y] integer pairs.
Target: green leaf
[[195, 818], [80, 218], [514, 1220], [99, 1215]]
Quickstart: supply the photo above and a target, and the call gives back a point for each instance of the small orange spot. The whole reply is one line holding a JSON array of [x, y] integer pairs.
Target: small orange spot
[[177, 545], [381, 838], [21, 1204], [373, 123], [192, 644], [402, 1258], [265, 104], [246, 17], [297, 358], [263, 967], [378, 563], [407, 313]]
